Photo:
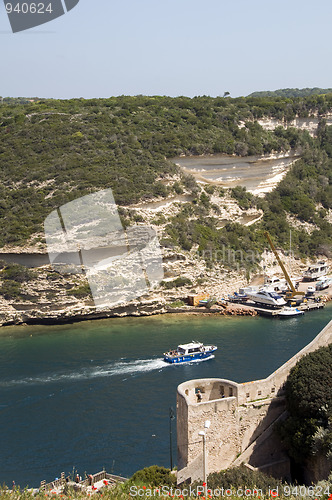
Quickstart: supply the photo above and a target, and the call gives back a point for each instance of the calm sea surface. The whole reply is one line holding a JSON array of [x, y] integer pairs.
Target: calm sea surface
[[97, 394]]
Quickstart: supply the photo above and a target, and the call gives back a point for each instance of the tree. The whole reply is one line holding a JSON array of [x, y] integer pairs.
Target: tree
[[309, 403]]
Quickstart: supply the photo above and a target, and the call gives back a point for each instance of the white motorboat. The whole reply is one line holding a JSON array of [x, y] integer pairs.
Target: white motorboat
[[276, 284], [267, 298], [289, 312], [316, 271], [189, 352]]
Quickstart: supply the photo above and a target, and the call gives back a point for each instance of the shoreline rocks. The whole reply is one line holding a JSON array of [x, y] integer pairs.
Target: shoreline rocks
[[50, 297], [12, 317]]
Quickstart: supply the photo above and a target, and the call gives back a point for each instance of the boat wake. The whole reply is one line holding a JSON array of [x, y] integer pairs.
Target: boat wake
[[118, 368]]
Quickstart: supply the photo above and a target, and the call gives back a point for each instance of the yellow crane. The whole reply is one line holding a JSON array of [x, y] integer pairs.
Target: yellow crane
[[289, 295]]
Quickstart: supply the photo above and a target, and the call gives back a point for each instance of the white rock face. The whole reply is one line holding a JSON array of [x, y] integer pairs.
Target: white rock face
[[310, 124], [279, 170], [259, 174]]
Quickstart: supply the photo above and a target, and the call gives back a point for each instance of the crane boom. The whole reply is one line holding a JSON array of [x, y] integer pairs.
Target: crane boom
[[284, 270]]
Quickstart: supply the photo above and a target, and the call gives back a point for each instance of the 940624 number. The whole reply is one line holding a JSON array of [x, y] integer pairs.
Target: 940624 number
[[305, 491], [28, 8]]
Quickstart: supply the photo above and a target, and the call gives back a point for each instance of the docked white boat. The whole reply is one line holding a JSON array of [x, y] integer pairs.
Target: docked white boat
[[266, 298], [276, 284], [289, 312], [189, 352], [316, 271]]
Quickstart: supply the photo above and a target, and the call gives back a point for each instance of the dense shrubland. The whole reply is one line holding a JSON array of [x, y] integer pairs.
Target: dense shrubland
[[12, 277], [307, 432], [159, 482], [53, 151], [241, 476], [291, 92]]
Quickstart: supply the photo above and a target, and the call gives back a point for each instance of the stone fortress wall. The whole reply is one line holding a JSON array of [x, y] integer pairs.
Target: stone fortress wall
[[242, 417]]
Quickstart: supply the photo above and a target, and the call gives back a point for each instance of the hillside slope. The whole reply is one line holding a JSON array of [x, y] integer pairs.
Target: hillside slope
[[52, 152], [291, 92]]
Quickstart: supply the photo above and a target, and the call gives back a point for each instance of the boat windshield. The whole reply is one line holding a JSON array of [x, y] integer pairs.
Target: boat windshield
[[181, 351], [275, 295]]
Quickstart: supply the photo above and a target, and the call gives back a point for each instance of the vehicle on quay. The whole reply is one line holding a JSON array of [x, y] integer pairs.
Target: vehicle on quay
[[323, 283], [266, 298]]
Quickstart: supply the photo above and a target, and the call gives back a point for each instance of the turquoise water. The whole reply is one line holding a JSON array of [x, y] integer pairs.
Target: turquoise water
[[97, 394]]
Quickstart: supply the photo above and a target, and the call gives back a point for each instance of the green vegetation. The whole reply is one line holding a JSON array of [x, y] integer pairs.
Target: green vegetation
[[177, 303], [178, 282], [244, 198], [237, 477], [81, 292], [305, 193], [291, 92], [10, 290], [19, 100], [18, 273], [158, 482], [154, 476], [306, 186], [55, 151], [308, 429], [12, 276], [234, 245]]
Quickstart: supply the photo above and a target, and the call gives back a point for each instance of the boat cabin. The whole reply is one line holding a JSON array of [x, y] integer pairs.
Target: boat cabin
[[266, 293], [192, 348]]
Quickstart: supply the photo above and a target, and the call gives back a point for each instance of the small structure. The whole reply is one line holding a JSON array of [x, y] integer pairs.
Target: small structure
[[193, 300]]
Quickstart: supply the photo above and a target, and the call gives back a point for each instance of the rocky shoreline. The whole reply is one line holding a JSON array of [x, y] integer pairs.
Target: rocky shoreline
[[11, 315], [50, 297]]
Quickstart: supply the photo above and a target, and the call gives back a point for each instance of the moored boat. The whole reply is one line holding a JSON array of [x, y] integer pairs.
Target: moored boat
[[275, 284], [316, 271], [238, 297], [289, 312], [189, 352]]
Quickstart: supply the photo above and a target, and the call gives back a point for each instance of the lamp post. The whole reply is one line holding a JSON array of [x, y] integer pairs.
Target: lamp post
[[207, 424], [171, 417]]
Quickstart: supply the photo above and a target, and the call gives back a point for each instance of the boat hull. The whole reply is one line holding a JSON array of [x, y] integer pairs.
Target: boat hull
[[290, 313], [267, 302], [185, 358]]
